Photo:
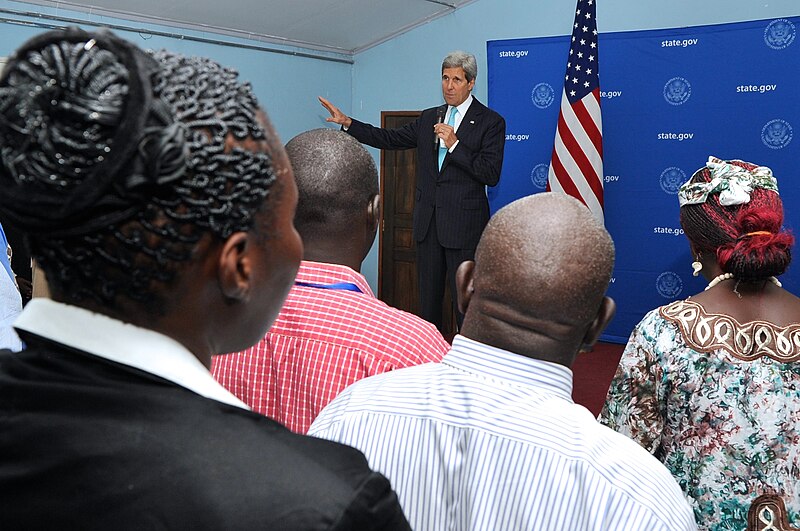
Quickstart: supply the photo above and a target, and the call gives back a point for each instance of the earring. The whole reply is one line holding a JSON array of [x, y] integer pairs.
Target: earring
[[696, 267]]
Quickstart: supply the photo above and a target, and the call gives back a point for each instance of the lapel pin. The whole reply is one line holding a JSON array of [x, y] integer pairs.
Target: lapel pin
[[472, 122]]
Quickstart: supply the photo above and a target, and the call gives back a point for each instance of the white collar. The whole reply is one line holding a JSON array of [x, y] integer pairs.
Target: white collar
[[473, 356], [462, 109], [122, 343]]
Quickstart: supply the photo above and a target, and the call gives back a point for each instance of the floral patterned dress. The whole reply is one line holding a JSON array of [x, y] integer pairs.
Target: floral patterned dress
[[718, 402]]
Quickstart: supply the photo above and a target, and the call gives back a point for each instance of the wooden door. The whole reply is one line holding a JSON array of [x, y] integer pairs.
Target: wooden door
[[397, 272]]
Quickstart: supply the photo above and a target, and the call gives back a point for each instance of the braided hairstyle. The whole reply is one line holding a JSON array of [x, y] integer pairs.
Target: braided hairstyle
[[747, 239], [116, 162]]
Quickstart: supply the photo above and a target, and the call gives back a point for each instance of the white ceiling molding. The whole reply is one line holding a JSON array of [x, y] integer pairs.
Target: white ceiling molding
[[336, 26]]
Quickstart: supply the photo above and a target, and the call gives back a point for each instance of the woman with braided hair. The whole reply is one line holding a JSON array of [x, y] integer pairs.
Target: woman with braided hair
[[711, 384], [159, 202]]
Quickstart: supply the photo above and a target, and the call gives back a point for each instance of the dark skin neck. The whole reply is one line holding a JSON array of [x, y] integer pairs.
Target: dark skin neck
[[186, 307], [759, 301], [504, 328], [343, 240], [334, 250], [496, 320]]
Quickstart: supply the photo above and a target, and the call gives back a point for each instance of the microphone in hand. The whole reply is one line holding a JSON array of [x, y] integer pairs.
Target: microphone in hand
[[440, 112]]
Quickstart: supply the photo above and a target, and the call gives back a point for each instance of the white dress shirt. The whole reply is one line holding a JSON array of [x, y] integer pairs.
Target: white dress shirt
[[491, 440], [122, 343], [462, 110]]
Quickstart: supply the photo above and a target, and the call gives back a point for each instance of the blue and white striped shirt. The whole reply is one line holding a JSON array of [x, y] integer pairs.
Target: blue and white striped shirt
[[490, 440]]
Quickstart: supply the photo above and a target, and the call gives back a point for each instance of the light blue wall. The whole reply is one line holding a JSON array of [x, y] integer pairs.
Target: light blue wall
[[286, 85], [404, 73]]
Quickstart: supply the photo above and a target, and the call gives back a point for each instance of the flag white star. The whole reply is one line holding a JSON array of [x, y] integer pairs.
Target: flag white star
[[580, 54], [594, 32], [574, 79], [576, 24], [571, 92], [570, 51], [591, 57], [578, 12], [588, 71], [577, 67], [588, 15], [593, 45], [584, 42], [585, 28], [586, 84]]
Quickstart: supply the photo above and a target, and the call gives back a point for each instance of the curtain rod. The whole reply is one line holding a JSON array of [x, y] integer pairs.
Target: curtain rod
[[140, 31]]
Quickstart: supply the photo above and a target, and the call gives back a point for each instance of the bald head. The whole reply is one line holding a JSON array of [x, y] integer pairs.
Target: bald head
[[543, 265], [335, 175], [338, 207]]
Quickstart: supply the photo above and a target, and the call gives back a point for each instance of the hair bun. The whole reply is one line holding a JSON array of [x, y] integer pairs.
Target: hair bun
[[60, 108], [763, 249], [73, 107]]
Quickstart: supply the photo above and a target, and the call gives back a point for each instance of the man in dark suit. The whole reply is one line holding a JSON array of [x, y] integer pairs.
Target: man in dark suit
[[159, 202], [459, 153]]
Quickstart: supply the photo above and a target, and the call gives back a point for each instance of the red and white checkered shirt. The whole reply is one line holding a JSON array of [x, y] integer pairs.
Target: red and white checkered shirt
[[322, 341]]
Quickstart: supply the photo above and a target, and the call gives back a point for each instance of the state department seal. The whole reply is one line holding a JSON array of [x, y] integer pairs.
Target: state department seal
[[776, 134], [539, 175], [669, 285], [671, 179], [779, 34], [543, 95], [677, 91]]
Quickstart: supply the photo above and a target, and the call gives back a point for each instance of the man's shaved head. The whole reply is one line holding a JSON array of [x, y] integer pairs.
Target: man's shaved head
[[335, 175], [543, 263]]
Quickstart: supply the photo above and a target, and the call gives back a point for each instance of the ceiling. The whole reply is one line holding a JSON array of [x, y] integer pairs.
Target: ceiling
[[338, 26]]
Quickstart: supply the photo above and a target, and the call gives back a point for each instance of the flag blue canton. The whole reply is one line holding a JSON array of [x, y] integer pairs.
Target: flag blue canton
[[581, 77]]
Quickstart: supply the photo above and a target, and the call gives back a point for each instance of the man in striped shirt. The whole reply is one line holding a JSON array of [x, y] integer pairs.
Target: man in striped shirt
[[332, 330], [490, 439]]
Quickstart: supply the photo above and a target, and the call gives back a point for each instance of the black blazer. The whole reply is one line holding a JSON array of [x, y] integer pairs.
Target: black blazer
[[87, 443], [458, 192]]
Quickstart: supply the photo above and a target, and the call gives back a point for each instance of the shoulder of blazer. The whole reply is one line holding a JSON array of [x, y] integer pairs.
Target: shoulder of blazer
[[479, 108], [429, 114], [480, 113]]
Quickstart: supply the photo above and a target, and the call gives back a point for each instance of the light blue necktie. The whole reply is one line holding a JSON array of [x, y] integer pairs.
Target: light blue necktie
[[442, 148]]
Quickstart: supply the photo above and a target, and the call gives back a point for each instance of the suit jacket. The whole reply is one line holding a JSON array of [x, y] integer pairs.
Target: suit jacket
[[86, 443], [457, 193]]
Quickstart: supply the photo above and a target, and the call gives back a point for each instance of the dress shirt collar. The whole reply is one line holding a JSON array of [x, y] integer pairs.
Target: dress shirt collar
[[462, 111], [122, 343], [323, 273], [509, 368]]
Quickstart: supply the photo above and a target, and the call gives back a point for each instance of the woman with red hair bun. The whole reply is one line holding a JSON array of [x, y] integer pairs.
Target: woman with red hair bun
[[711, 384]]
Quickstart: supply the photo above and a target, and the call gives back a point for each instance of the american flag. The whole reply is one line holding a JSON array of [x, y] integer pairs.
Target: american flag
[[577, 164]]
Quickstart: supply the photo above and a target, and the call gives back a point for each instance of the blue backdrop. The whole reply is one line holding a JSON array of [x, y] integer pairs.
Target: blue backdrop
[[669, 98]]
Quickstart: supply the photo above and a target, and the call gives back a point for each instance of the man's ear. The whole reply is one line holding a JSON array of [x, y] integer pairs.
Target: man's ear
[[464, 284], [234, 268], [374, 213], [604, 315]]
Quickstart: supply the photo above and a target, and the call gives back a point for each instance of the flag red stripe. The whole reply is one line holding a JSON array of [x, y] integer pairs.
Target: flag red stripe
[[588, 124], [563, 178], [589, 172], [576, 166]]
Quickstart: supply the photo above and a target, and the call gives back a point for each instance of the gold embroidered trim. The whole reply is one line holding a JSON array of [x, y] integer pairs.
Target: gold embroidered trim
[[749, 341]]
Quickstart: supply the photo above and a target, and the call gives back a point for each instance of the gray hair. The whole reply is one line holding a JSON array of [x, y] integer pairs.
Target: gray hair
[[459, 59]]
